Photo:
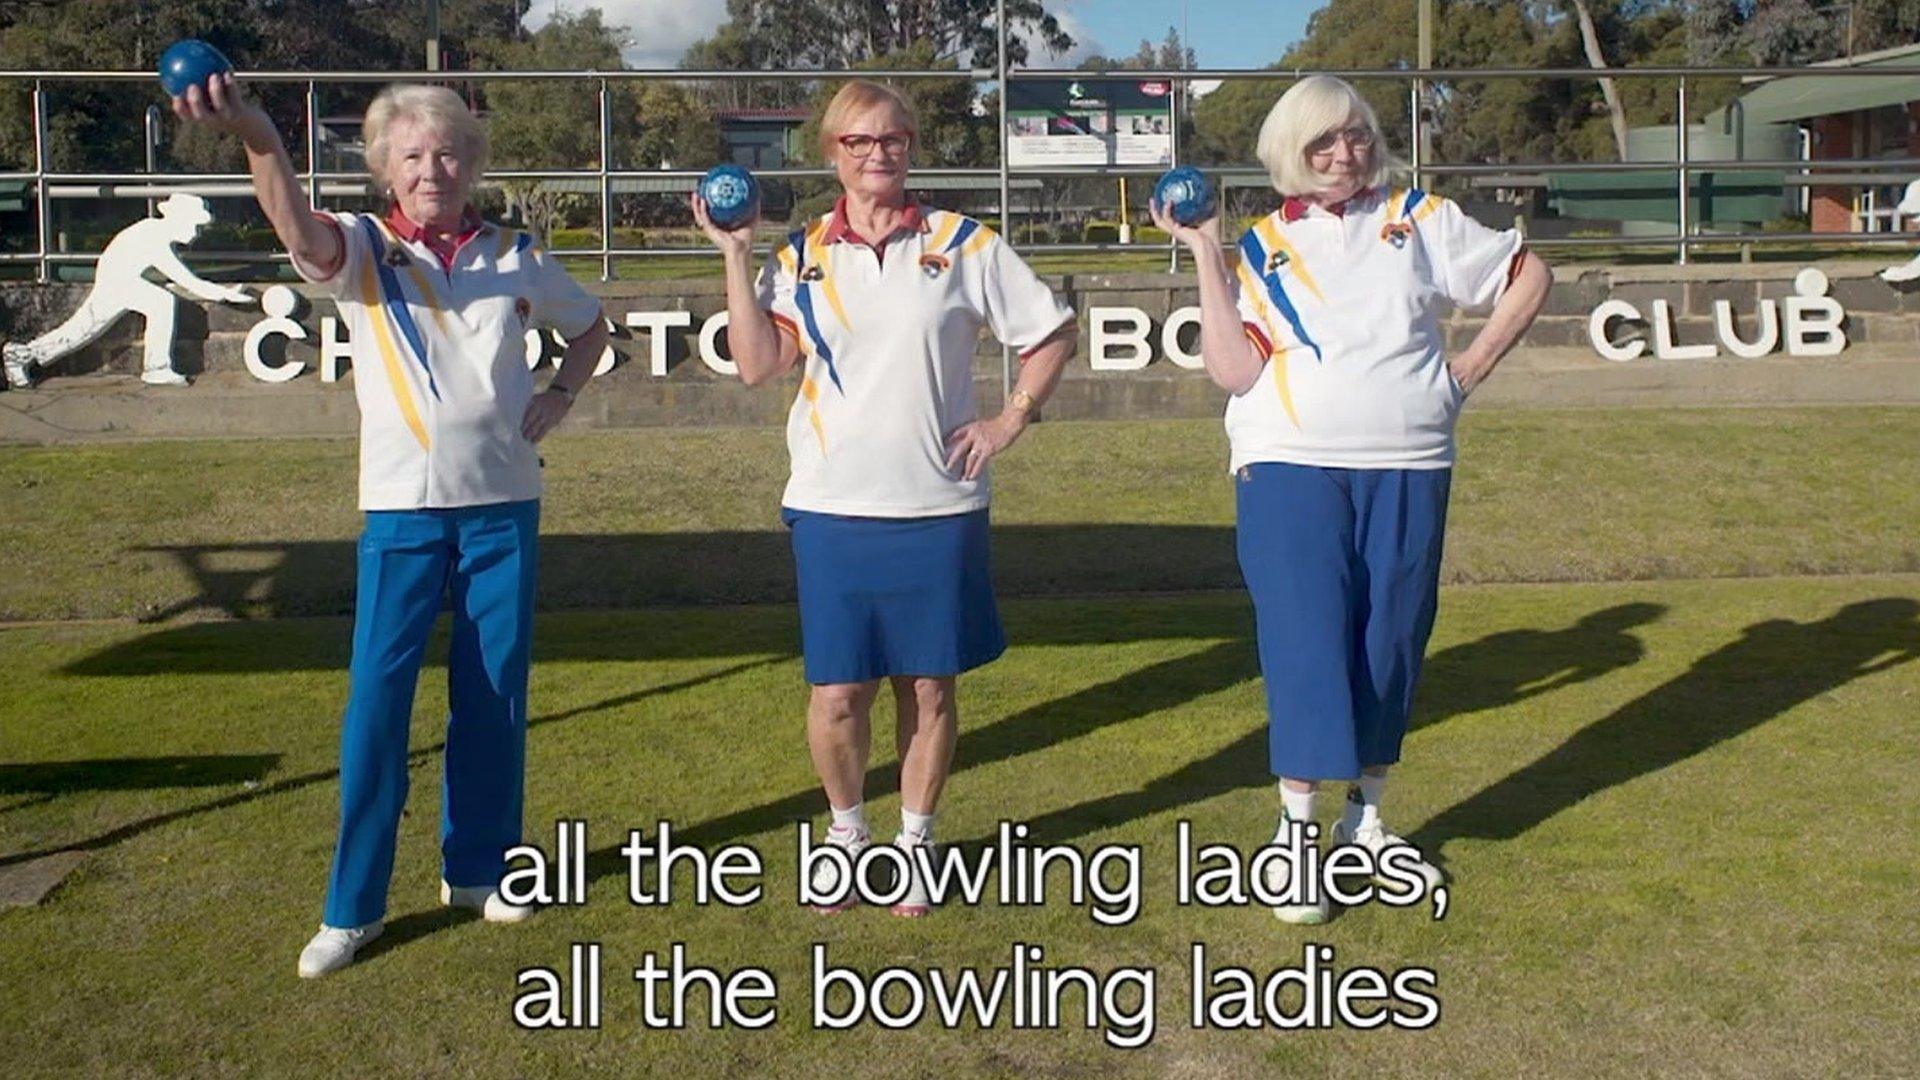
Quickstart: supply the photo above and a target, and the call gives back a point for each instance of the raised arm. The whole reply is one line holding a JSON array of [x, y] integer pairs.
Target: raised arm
[[759, 349], [312, 241], [1230, 359]]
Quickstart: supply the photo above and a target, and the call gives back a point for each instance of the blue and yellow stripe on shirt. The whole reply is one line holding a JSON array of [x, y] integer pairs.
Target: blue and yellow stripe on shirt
[[390, 355], [394, 307], [1256, 256], [814, 341], [1277, 355]]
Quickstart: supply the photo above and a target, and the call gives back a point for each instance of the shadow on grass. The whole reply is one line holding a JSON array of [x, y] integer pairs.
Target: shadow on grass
[[1771, 668], [129, 774], [321, 776], [1497, 670], [280, 580]]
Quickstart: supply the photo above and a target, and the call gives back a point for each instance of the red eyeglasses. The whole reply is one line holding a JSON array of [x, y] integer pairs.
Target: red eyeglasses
[[891, 142]]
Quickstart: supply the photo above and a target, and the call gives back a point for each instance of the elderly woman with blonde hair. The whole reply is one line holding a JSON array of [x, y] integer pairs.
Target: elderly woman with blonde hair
[[1327, 334], [879, 303], [438, 303]]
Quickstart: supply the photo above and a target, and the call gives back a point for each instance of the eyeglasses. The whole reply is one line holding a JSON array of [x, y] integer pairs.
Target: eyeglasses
[[1358, 137], [891, 142]]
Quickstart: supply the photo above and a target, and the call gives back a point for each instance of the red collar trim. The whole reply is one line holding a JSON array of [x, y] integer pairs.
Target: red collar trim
[[1295, 208], [404, 228], [914, 219]]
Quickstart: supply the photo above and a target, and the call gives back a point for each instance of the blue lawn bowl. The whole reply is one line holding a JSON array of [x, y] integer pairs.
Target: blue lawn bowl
[[732, 195], [1186, 195], [190, 63]]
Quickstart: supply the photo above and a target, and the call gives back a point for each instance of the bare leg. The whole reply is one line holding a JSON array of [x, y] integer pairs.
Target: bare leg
[[840, 738], [928, 726]]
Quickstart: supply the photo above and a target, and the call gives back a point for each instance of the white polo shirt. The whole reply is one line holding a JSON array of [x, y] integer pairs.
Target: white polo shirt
[[439, 360], [888, 338], [1347, 307]]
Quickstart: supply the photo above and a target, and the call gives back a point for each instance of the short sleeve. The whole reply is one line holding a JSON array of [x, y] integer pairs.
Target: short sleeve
[[558, 300], [1020, 309], [355, 249], [775, 288], [1473, 263]]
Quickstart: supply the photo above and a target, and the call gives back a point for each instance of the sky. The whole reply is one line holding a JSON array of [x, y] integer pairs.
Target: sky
[[1225, 33]]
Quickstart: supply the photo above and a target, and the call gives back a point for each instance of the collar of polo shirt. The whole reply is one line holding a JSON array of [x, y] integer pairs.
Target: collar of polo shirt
[[443, 247], [1293, 208], [912, 219]]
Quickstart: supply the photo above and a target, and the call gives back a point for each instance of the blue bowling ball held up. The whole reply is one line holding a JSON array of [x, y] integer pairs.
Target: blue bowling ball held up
[[732, 195], [1186, 195], [190, 63]]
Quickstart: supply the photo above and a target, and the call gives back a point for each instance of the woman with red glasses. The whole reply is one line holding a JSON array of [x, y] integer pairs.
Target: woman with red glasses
[[880, 303], [1326, 332]]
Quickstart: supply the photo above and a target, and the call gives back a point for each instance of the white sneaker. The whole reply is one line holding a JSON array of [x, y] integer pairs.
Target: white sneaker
[[826, 876], [18, 371], [1376, 838], [333, 947], [486, 900], [1277, 871], [162, 377], [917, 903]]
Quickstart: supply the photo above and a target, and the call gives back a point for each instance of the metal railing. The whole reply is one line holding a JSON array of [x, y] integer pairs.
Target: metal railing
[[49, 184]]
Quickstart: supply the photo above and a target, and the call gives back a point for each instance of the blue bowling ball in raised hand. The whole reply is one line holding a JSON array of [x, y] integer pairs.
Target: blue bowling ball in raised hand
[[191, 63], [1185, 195], [732, 195]]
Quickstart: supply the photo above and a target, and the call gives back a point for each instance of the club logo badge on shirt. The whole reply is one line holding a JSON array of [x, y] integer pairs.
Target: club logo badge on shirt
[[1396, 233], [813, 273], [933, 265], [397, 257], [1277, 260]]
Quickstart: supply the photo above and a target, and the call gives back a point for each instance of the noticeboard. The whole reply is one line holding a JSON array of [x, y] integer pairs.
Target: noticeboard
[[1090, 122]]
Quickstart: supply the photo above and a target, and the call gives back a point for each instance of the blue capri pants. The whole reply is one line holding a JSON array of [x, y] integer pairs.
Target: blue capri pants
[[1344, 569]]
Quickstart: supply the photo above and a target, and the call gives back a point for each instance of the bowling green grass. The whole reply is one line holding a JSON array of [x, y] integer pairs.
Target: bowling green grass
[[1664, 748]]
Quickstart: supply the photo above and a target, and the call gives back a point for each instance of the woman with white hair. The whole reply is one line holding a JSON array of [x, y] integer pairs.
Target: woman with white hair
[[1327, 333], [437, 303]]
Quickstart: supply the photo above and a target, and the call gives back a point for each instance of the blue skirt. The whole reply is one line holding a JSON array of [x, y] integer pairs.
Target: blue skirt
[[1344, 569], [894, 596]]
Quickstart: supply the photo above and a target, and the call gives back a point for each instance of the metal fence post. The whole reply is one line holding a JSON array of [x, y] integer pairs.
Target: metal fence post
[[606, 184], [1680, 147], [40, 171], [1173, 144], [313, 147], [1417, 129], [1006, 185]]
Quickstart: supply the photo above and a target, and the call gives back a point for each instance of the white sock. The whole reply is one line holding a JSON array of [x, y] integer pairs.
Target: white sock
[[1298, 807], [915, 828], [853, 817], [1363, 803]]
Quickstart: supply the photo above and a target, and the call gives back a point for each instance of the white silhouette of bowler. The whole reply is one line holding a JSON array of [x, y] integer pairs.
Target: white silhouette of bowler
[[1910, 206], [120, 285]]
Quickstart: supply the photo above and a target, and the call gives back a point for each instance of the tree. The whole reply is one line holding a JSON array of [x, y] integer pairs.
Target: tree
[[1597, 57], [798, 34], [554, 123]]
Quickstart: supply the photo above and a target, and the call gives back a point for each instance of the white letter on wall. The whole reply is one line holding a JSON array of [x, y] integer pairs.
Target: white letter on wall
[[1602, 320], [336, 352], [1104, 338], [1729, 333], [656, 324], [1813, 320], [1170, 338], [709, 355], [1663, 346]]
